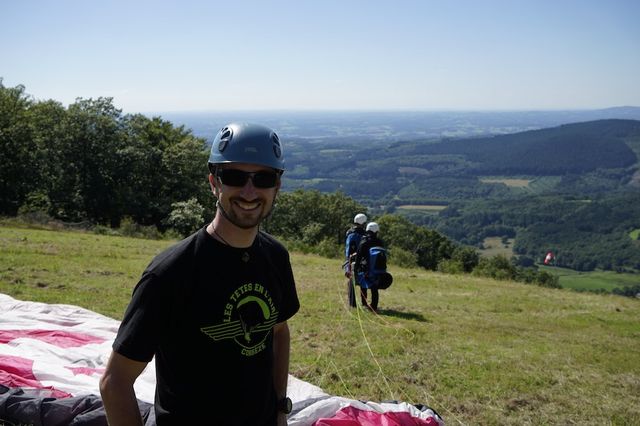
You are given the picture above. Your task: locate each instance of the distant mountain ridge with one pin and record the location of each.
(570, 148)
(390, 126)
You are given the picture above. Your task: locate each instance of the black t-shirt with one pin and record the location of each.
(206, 311)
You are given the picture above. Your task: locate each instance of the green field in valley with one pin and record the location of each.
(594, 280)
(514, 183)
(476, 350)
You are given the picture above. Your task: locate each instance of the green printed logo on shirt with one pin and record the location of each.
(249, 316)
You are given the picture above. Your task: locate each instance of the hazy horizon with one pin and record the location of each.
(287, 55)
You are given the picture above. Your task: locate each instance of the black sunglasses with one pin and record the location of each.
(238, 178)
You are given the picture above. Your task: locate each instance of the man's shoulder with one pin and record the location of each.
(355, 230)
(269, 242)
(176, 255)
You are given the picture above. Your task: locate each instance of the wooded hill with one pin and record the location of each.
(578, 188)
(571, 148)
(440, 171)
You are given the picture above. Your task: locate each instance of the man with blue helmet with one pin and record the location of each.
(213, 309)
(353, 237)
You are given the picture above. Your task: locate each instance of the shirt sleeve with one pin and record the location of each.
(144, 319)
(290, 302)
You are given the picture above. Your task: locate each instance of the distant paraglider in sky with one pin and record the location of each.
(549, 258)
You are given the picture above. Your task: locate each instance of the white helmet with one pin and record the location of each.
(373, 227)
(360, 219)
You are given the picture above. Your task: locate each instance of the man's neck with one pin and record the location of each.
(228, 233)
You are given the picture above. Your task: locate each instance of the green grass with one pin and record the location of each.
(635, 234)
(476, 350)
(594, 280)
(94, 271)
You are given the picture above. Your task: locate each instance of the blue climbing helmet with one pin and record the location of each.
(247, 143)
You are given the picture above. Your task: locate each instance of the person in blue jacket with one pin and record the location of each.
(352, 242)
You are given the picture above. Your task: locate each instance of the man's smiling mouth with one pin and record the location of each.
(247, 206)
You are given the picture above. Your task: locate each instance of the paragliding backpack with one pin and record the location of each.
(377, 268)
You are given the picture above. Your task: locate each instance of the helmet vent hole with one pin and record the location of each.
(277, 150)
(275, 139)
(225, 137)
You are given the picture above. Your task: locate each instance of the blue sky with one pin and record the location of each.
(156, 56)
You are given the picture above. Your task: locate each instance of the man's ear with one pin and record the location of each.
(278, 185)
(213, 183)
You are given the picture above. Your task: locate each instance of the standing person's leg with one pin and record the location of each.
(363, 296)
(352, 283)
(374, 299)
(351, 291)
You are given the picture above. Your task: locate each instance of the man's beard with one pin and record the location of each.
(249, 222)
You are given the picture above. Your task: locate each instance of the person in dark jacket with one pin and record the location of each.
(369, 240)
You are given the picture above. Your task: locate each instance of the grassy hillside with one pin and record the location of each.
(478, 351)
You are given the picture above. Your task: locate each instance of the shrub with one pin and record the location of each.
(327, 248)
(312, 233)
(35, 208)
(545, 279)
(186, 216)
(403, 258)
(35, 202)
(467, 257)
(450, 266)
(498, 267)
(129, 228)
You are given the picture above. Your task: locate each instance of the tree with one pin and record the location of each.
(91, 178)
(164, 164)
(312, 216)
(47, 120)
(429, 246)
(17, 149)
(184, 163)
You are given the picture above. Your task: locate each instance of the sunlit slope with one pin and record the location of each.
(476, 350)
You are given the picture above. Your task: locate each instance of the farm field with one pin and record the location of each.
(514, 183)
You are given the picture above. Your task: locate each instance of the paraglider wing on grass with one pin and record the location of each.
(52, 357)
